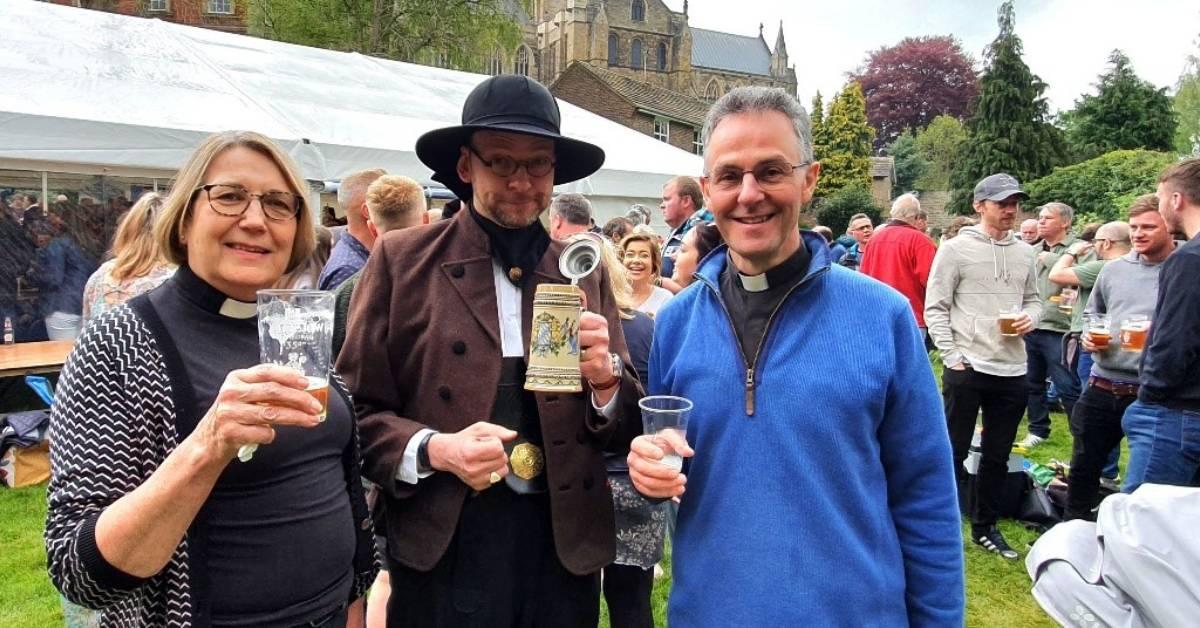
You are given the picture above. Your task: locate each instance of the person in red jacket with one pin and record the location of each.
(901, 254)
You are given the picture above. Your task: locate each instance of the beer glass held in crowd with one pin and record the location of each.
(1098, 327)
(665, 418)
(1066, 300)
(295, 329)
(1008, 321)
(1133, 333)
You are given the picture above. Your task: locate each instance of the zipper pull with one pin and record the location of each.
(750, 392)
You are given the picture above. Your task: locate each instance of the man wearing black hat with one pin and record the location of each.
(497, 509)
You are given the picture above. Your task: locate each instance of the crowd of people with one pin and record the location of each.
(812, 486)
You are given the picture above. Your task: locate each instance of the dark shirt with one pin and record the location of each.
(1171, 359)
(750, 311)
(61, 271)
(639, 335)
(278, 530)
(348, 257)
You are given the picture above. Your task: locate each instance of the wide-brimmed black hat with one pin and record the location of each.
(512, 103)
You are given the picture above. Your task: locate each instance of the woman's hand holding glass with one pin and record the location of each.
(251, 404)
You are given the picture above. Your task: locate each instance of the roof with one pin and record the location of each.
(883, 168)
(649, 98)
(130, 94)
(734, 53)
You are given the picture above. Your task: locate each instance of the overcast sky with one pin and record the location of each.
(1066, 42)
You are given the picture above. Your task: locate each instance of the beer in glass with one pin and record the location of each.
(1008, 321)
(1133, 333)
(1066, 300)
(1099, 330)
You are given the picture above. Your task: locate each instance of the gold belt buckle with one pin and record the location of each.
(527, 461)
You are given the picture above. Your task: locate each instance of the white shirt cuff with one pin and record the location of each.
(408, 466)
(609, 408)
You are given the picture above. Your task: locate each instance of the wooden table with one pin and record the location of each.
(28, 358)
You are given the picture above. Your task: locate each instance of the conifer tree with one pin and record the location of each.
(846, 156)
(1008, 130)
(816, 116)
(1127, 112)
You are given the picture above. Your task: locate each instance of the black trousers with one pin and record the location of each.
(501, 570)
(1096, 426)
(627, 590)
(1002, 400)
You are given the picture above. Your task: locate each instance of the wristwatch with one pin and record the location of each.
(618, 370)
(423, 465)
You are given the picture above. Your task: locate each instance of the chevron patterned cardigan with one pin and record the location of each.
(113, 423)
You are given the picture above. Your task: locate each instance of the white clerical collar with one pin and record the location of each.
(233, 308)
(754, 283)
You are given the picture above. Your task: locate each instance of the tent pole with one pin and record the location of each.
(45, 191)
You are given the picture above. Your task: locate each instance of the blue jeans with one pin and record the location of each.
(1164, 446)
(1044, 358)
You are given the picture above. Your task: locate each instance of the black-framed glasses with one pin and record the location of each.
(233, 200)
(507, 166)
(768, 174)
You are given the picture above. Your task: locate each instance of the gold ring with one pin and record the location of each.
(494, 477)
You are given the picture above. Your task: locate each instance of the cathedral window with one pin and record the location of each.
(495, 65)
(638, 11)
(713, 91)
(635, 54)
(662, 57)
(522, 65)
(614, 58)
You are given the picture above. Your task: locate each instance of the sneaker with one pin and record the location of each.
(992, 541)
(658, 572)
(1111, 484)
(1031, 441)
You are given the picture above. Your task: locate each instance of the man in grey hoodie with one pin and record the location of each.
(976, 276)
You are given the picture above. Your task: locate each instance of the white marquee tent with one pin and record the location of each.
(92, 92)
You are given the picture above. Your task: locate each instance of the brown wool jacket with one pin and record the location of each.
(422, 350)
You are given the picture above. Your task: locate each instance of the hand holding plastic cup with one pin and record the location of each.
(295, 329)
(1098, 328)
(1008, 318)
(665, 418)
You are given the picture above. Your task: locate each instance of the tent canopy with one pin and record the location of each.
(92, 88)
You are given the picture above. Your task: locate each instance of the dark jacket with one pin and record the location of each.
(422, 350)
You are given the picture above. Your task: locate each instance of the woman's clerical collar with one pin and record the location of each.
(786, 273)
(209, 298)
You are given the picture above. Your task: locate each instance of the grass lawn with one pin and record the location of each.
(997, 590)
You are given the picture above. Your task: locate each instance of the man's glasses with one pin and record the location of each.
(769, 175)
(234, 200)
(507, 166)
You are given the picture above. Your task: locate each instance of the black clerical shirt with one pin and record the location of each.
(752, 300)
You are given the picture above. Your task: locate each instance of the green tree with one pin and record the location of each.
(817, 117)
(910, 165)
(1126, 112)
(939, 146)
(846, 157)
(1101, 189)
(835, 210)
(462, 34)
(1187, 108)
(1009, 129)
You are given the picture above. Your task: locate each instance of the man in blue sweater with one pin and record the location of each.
(817, 489)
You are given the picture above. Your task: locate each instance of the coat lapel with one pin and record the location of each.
(468, 268)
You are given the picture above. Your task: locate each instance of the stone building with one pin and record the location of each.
(222, 15)
(646, 41)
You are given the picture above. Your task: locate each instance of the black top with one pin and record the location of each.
(278, 530)
(750, 310)
(639, 334)
(1172, 355)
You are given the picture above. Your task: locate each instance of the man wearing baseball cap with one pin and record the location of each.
(498, 513)
(976, 277)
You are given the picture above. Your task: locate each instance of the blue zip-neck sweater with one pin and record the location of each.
(834, 504)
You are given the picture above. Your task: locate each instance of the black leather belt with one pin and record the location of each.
(516, 409)
(1120, 389)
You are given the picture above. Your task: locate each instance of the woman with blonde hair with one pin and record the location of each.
(643, 263)
(152, 520)
(640, 524)
(137, 264)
